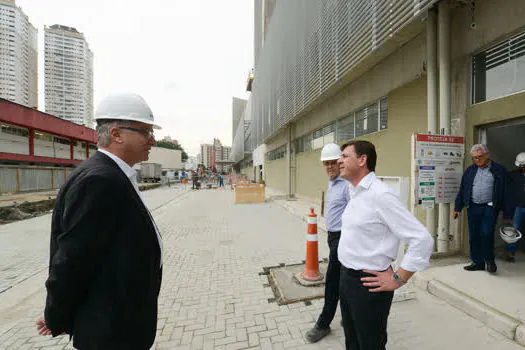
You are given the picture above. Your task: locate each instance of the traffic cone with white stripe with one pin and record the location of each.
(311, 271)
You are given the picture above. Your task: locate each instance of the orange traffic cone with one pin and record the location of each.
(311, 271)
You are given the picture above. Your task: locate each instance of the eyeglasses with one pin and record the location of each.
(330, 162)
(481, 156)
(146, 132)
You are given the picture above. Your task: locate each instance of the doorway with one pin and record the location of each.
(504, 140)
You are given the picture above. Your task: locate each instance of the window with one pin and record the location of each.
(367, 120)
(345, 128)
(14, 130)
(277, 153)
(499, 70)
(383, 114)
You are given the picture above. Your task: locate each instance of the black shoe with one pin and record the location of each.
(474, 267)
(491, 267)
(315, 334)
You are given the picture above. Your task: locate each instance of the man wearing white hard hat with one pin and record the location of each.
(105, 265)
(516, 194)
(336, 201)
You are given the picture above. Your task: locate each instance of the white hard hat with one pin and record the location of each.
(330, 151)
(509, 234)
(130, 107)
(520, 160)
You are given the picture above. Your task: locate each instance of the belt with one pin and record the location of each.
(334, 232)
(489, 204)
(356, 273)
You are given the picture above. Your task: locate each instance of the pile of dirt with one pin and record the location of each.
(25, 210)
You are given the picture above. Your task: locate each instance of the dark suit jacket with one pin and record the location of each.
(104, 269)
(464, 196)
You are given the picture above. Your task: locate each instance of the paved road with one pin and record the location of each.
(214, 298)
(24, 245)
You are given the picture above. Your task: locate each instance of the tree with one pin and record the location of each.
(170, 145)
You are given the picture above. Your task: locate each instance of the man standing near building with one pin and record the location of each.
(374, 223)
(336, 201)
(482, 191)
(105, 264)
(516, 193)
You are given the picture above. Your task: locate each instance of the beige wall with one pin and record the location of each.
(311, 179)
(275, 172)
(248, 171)
(407, 108)
(407, 114)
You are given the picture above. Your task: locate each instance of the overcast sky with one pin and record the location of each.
(186, 58)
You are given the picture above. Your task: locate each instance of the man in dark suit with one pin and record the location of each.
(105, 265)
(482, 191)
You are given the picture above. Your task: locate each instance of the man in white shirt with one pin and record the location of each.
(374, 223)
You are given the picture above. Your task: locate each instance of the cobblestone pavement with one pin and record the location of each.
(214, 298)
(24, 245)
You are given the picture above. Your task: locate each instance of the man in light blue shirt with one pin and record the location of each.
(336, 200)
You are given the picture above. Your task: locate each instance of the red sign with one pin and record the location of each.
(440, 138)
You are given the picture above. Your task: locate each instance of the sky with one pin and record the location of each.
(187, 58)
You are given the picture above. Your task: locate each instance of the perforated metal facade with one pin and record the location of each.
(311, 45)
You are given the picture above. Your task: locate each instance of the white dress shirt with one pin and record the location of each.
(374, 223)
(132, 176)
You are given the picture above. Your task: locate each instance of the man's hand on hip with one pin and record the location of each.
(383, 281)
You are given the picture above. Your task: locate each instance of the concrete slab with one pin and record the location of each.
(290, 290)
(502, 291)
(494, 299)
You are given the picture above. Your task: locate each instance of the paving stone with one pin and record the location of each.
(212, 295)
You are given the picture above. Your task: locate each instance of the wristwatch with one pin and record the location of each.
(398, 279)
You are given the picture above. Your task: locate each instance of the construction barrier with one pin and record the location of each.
(249, 193)
(311, 270)
(16, 179)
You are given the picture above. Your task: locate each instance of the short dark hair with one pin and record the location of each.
(364, 148)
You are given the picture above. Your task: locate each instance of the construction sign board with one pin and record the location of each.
(439, 161)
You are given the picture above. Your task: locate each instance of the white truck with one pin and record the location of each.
(150, 172)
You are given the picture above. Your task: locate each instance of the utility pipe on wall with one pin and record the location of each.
(444, 109)
(289, 162)
(432, 97)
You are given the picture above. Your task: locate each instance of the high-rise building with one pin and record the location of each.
(18, 56)
(68, 75)
(214, 155)
(206, 155)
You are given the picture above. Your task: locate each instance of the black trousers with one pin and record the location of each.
(364, 313)
(331, 289)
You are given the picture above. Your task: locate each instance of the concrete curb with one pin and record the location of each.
(282, 202)
(502, 323)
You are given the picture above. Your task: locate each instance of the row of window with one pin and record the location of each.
(367, 120)
(277, 153)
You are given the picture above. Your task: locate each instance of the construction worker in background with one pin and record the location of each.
(516, 194)
(194, 179)
(105, 265)
(336, 200)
